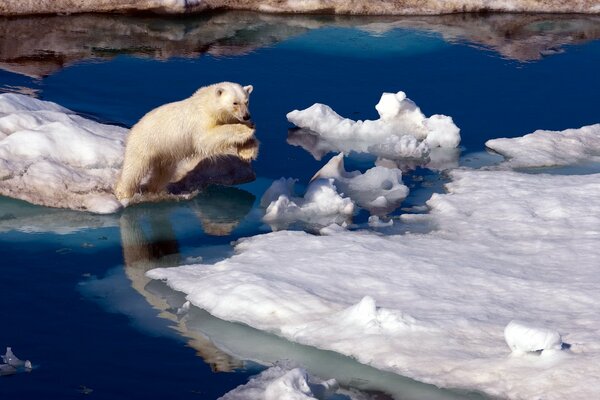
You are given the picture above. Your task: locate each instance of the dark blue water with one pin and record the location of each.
(73, 299)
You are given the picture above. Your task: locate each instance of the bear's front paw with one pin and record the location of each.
(248, 151)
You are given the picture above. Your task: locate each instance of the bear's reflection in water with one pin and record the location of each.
(149, 241)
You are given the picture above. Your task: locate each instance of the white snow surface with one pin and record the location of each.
(51, 156)
(544, 148)
(433, 306)
(379, 190)
(321, 204)
(281, 382)
(402, 130)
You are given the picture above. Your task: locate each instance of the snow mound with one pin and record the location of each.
(501, 239)
(321, 204)
(379, 190)
(402, 130)
(522, 338)
(550, 148)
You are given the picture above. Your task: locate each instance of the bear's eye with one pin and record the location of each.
(235, 103)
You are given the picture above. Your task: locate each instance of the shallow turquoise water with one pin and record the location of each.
(74, 299)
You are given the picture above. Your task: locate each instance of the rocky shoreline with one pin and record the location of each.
(346, 7)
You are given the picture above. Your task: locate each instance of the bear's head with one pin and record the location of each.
(232, 100)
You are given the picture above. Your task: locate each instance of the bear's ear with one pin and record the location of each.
(219, 91)
(248, 89)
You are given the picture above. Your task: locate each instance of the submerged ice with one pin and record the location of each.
(12, 364)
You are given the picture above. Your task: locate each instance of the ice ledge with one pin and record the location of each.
(364, 7)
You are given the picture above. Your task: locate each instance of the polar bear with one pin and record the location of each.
(170, 140)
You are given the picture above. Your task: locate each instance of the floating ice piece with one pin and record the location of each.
(402, 131)
(379, 190)
(550, 148)
(321, 205)
(280, 382)
(12, 364)
(524, 337)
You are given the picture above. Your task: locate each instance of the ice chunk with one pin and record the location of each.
(524, 337)
(550, 148)
(379, 190)
(402, 131)
(321, 205)
(12, 364)
(281, 382)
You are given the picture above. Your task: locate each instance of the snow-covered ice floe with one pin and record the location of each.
(434, 307)
(52, 157)
(357, 7)
(401, 132)
(544, 148)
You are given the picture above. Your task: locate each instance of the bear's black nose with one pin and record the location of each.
(246, 117)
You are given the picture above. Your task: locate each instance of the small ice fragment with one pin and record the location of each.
(376, 222)
(523, 337)
(184, 308)
(13, 364)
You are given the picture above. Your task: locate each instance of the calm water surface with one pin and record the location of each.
(74, 298)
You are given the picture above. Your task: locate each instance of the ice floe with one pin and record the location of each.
(321, 204)
(401, 132)
(359, 7)
(434, 306)
(53, 157)
(50, 156)
(544, 148)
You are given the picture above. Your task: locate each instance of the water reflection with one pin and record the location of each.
(149, 241)
(41, 45)
(438, 159)
(148, 238)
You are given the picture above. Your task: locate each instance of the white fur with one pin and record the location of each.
(170, 140)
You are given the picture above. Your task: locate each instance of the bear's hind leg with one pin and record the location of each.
(160, 177)
(130, 180)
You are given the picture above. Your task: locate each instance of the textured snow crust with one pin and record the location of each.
(505, 246)
(51, 156)
(544, 148)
